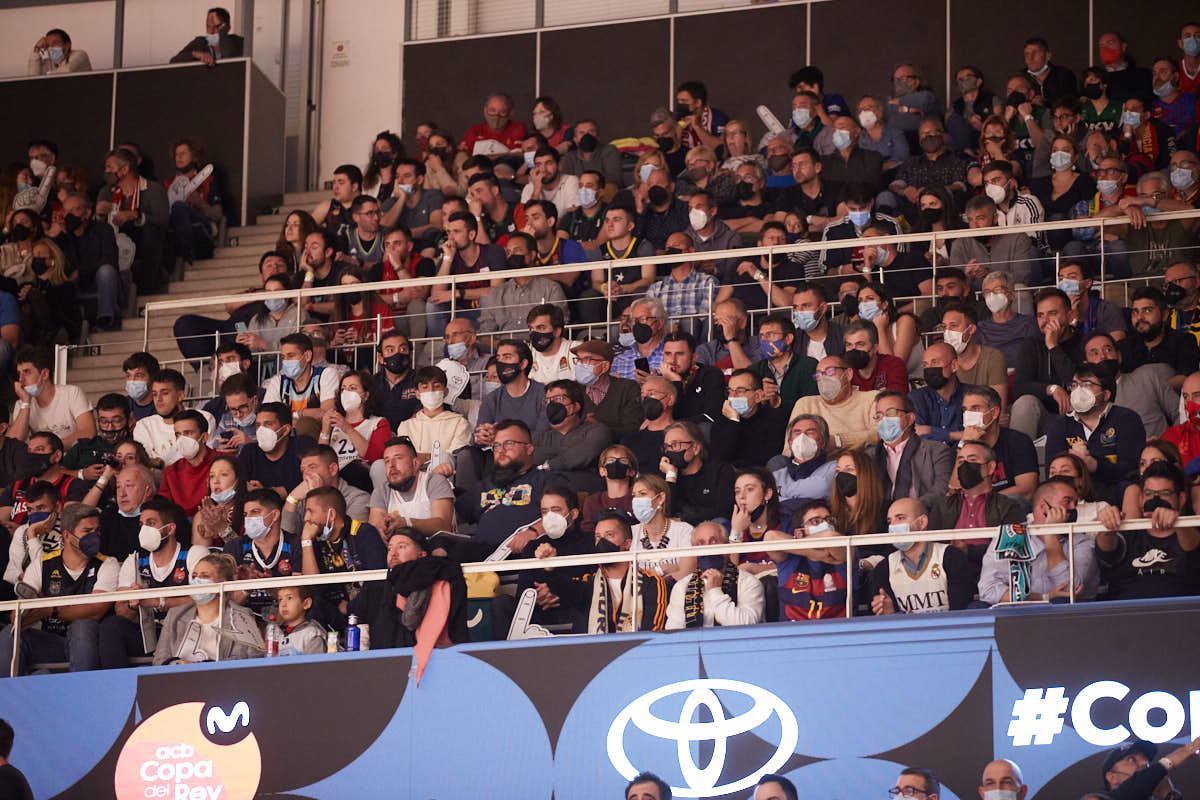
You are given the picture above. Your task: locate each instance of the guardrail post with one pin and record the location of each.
(16, 654)
(636, 577)
(851, 570)
(220, 614)
(60, 364)
(1071, 561)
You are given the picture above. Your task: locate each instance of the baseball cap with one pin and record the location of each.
(1148, 749)
(596, 347)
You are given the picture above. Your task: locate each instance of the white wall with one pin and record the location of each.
(155, 30)
(90, 26)
(362, 96)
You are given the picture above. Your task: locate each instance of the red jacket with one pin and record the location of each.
(890, 373)
(187, 485)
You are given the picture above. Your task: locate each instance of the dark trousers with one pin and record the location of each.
(120, 638)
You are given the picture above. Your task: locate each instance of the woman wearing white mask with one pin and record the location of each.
(656, 530)
(354, 433)
(219, 517)
(279, 317)
(198, 632)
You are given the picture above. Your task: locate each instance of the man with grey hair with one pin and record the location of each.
(649, 327)
(499, 133)
(1006, 329)
(68, 633)
(120, 513)
(1152, 244)
(717, 592)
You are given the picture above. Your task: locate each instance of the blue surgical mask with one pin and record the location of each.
(408, 188)
(256, 528)
(1164, 89)
(23, 186)
(490, 386)
(772, 349)
(275, 304)
(1191, 46)
(55, 54)
(860, 218)
(841, 139)
(741, 405)
(801, 116)
(900, 527)
(136, 389)
(529, 154)
(225, 496)
(890, 429)
(585, 374)
(1131, 118)
(804, 320)
(626, 339)
(868, 310)
(587, 196)
(1182, 178)
(137, 512)
(643, 509)
(204, 597)
(1069, 286)
(1060, 160)
(1106, 186)
(292, 368)
(456, 350)
(644, 172)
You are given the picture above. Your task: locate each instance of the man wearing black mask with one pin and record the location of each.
(668, 134)
(505, 307)
(1154, 342)
(658, 406)
(43, 462)
(702, 487)
(972, 502)
(572, 445)
(660, 212)
(87, 457)
(395, 391)
(590, 154)
(12, 451)
(91, 247)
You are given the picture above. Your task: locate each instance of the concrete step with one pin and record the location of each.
(308, 199)
(270, 227)
(261, 240)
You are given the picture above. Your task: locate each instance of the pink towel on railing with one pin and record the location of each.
(432, 630)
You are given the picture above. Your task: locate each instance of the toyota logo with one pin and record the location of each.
(701, 781)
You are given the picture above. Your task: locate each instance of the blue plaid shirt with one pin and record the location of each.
(623, 366)
(692, 295)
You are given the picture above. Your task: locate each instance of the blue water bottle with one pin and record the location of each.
(352, 633)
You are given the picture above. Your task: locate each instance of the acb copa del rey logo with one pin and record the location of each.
(646, 731)
(191, 751)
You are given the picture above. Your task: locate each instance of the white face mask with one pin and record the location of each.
(804, 448)
(999, 794)
(828, 387)
(432, 400)
(186, 446)
(867, 119)
(150, 538)
(997, 193)
(956, 339)
(266, 438)
(554, 524)
(698, 218)
(1082, 400)
(227, 370)
(974, 419)
(351, 401)
(996, 302)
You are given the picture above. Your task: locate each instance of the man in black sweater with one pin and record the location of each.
(701, 487)
(748, 432)
(91, 249)
(1046, 365)
(701, 387)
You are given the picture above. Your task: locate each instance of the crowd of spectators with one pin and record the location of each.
(729, 399)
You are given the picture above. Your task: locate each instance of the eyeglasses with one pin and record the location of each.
(510, 445)
(372, 213)
(741, 392)
(887, 412)
(828, 371)
(808, 523)
(677, 447)
(907, 791)
(558, 398)
(1165, 494)
(1089, 384)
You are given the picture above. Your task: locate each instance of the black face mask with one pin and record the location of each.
(1015, 99)
(970, 474)
(665, 143)
(1153, 503)
(850, 305)
(36, 464)
(779, 163)
(617, 470)
(515, 261)
(678, 458)
(658, 195)
(931, 215)
(397, 363)
(540, 340)
(404, 485)
(934, 378)
(1112, 365)
(588, 143)
(19, 233)
(682, 111)
(743, 190)
(353, 298)
(672, 251)
(1072, 515)
(858, 359)
(1174, 293)
(440, 152)
(507, 373)
(556, 412)
(606, 546)
(642, 332)
(756, 513)
(846, 484)
(72, 222)
(652, 408)
(39, 265)
(1091, 91)
(382, 160)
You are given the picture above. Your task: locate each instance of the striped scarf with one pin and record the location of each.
(693, 599)
(626, 615)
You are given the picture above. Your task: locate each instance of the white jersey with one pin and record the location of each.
(419, 507)
(927, 590)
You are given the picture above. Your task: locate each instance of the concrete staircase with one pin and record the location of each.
(96, 367)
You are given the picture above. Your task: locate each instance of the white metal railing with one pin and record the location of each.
(636, 559)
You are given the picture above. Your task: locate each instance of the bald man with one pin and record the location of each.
(939, 402)
(659, 396)
(849, 413)
(919, 577)
(1186, 435)
(1002, 781)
